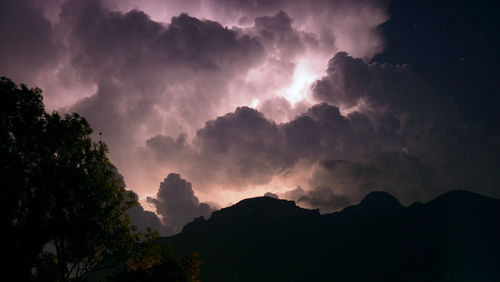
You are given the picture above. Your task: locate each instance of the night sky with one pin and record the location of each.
(207, 102)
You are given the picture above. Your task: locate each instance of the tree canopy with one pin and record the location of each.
(66, 203)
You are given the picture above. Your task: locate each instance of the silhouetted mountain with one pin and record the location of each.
(376, 203)
(454, 237)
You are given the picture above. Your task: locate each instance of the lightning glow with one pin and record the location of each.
(304, 75)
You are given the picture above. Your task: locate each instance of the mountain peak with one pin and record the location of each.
(255, 239)
(460, 195)
(265, 206)
(462, 200)
(379, 201)
(252, 212)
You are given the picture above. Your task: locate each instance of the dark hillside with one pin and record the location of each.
(451, 238)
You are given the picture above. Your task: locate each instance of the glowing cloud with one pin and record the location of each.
(303, 77)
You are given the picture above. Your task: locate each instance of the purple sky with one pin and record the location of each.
(233, 98)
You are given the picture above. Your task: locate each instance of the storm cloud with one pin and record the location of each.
(382, 89)
(339, 24)
(246, 97)
(176, 203)
(140, 66)
(143, 220)
(29, 43)
(136, 69)
(383, 142)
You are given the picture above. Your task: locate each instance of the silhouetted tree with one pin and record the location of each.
(191, 266)
(159, 264)
(65, 211)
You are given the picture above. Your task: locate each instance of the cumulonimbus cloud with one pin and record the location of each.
(135, 75)
(384, 142)
(221, 95)
(176, 203)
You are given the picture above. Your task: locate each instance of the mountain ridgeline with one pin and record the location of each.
(455, 237)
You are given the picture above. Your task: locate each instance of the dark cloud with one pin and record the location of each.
(140, 66)
(242, 148)
(346, 81)
(390, 141)
(161, 10)
(176, 203)
(135, 77)
(142, 56)
(352, 25)
(140, 218)
(151, 77)
(322, 197)
(280, 38)
(433, 162)
(28, 45)
(322, 130)
(166, 147)
(383, 91)
(390, 171)
(412, 141)
(146, 219)
(167, 87)
(245, 148)
(259, 7)
(271, 195)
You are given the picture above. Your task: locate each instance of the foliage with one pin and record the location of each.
(191, 266)
(65, 211)
(161, 266)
